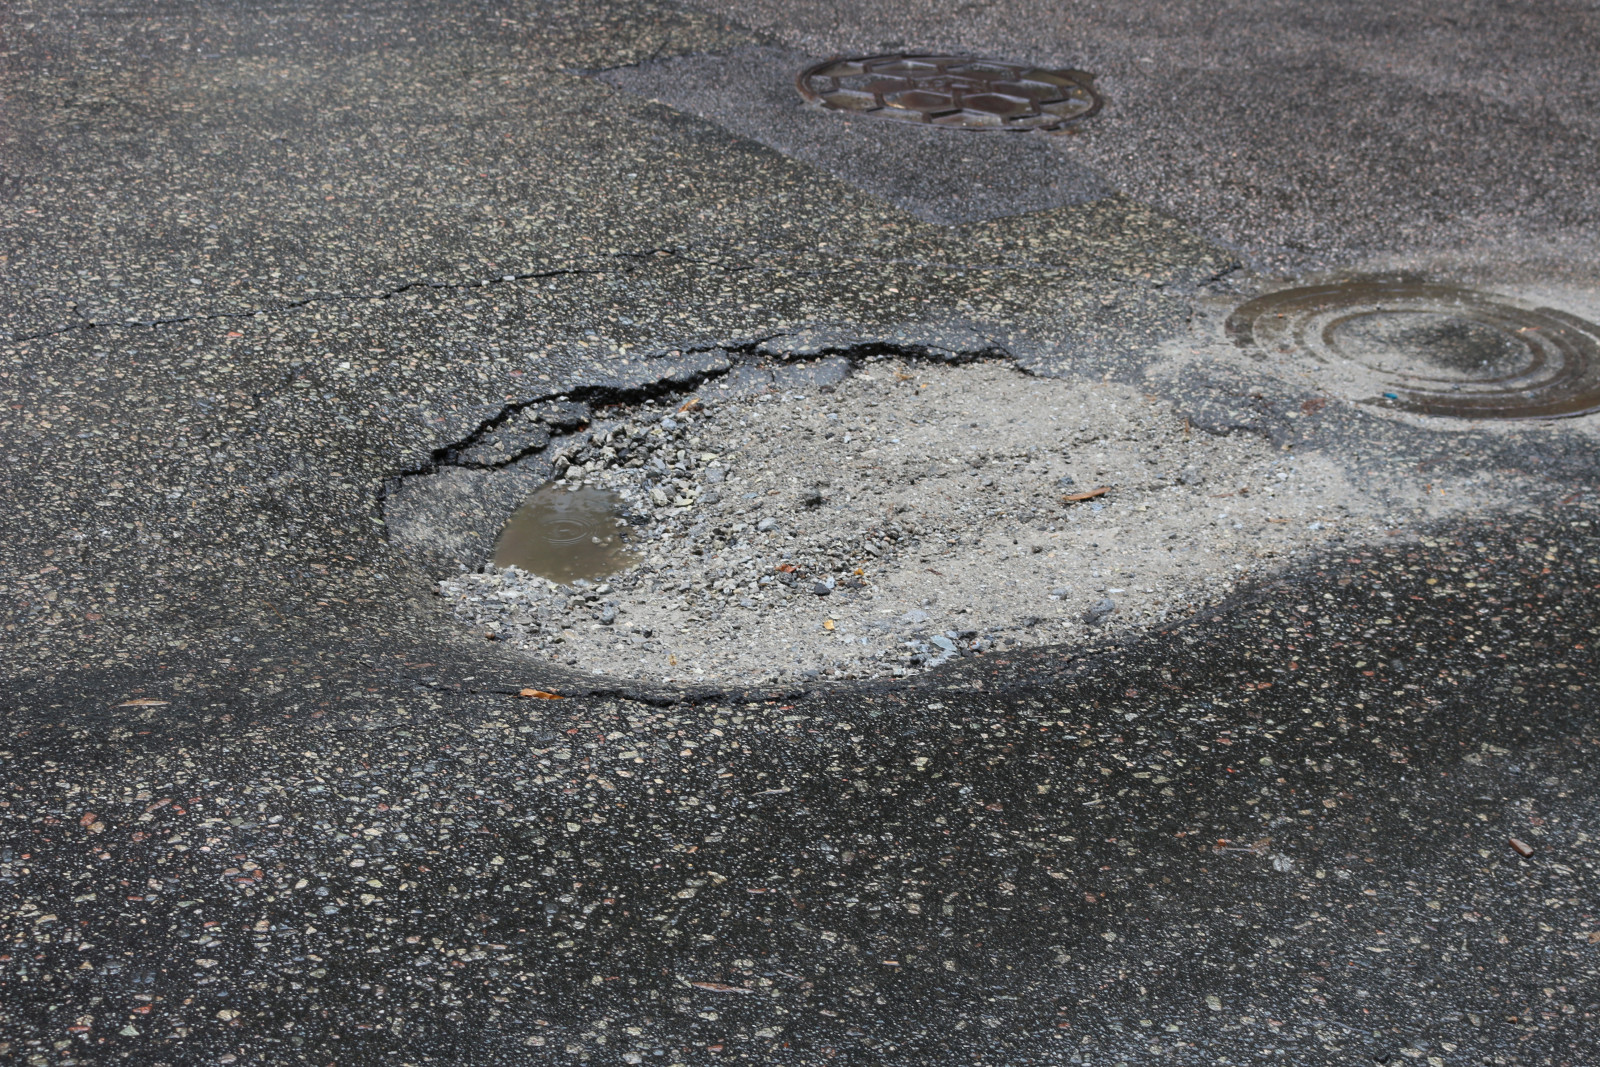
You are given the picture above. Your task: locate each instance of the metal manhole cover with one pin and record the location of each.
(958, 92)
(1434, 349)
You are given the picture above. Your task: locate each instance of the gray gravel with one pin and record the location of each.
(918, 512)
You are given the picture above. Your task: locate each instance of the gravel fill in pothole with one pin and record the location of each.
(906, 516)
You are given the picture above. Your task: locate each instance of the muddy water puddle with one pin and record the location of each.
(566, 534)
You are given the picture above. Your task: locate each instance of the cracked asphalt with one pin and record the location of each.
(262, 268)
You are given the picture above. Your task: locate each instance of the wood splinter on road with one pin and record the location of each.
(1520, 847)
(1073, 498)
(540, 694)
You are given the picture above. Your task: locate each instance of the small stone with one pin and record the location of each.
(710, 496)
(608, 615)
(1099, 610)
(914, 616)
(715, 475)
(1065, 480)
(1190, 476)
(821, 589)
(766, 524)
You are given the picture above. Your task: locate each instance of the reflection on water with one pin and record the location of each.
(565, 535)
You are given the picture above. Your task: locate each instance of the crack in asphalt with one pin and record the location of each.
(680, 254)
(329, 298)
(678, 384)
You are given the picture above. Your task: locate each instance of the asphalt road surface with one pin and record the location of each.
(265, 269)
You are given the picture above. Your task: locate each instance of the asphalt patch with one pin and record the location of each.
(934, 174)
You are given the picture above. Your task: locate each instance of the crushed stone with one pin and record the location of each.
(911, 513)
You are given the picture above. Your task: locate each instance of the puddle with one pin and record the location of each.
(565, 534)
(1434, 349)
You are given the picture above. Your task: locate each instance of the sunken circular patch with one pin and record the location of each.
(956, 92)
(882, 517)
(1434, 349)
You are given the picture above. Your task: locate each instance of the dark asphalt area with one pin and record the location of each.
(264, 267)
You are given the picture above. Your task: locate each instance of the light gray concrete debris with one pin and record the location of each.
(1099, 610)
(929, 512)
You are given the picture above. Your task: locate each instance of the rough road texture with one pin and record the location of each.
(1296, 133)
(1264, 829)
(913, 513)
(267, 271)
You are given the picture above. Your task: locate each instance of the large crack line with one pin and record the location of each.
(677, 254)
(330, 298)
(745, 352)
(680, 384)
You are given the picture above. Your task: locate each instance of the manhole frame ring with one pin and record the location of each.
(1241, 328)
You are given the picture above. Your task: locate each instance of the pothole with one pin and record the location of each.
(958, 92)
(1433, 349)
(885, 517)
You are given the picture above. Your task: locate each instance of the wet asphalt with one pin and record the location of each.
(263, 803)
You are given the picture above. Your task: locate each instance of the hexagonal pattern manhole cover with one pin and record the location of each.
(956, 92)
(1434, 349)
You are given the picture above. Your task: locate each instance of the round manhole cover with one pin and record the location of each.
(1434, 349)
(959, 92)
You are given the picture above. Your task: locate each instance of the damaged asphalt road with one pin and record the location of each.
(264, 801)
(1279, 828)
